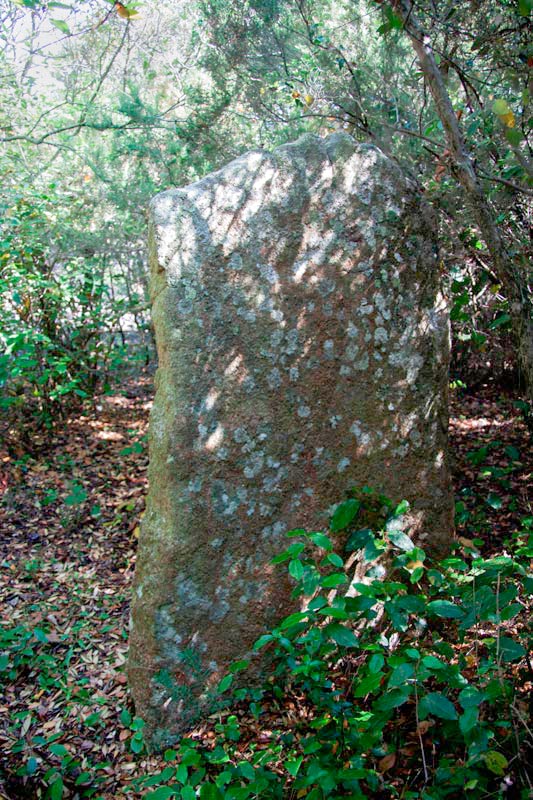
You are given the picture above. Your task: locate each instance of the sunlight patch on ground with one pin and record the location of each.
(480, 423)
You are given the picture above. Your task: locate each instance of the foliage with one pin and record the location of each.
(159, 97)
(59, 324)
(321, 66)
(408, 681)
(98, 113)
(36, 653)
(416, 668)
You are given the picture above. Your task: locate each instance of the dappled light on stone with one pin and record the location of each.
(303, 350)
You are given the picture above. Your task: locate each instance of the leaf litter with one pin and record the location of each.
(70, 519)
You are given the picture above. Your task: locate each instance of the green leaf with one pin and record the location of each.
(511, 611)
(263, 640)
(499, 563)
(510, 650)
(188, 793)
(494, 501)
(401, 674)
(317, 602)
(296, 532)
(225, 683)
(401, 509)
(445, 608)
(376, 663)
(512, 453)
(333, 611)
(469, 720)
(500, 107)
(247, 770)
(437, 705)
(296, 569)
(336, 579)
(61, 25)
(396, 22)
(344, 514)
(58, 750)
(159, 778)
(374, 549)
(218, 756)
(335, 559)
(238, 666)
(77, 495)
(84, 777)
(416, 574)
(341, 635)
(513, 136)
(502, 319)
(40, 635)
(162, 793)
(400, 540)
(360, 603)
(209, 792)
(525, 7)
(435, 577)
(291, 552)
(321, 540)
(293, 766)
(293, 619)
(393, 22)
(31, 765)
(496, 762)
(470, 697)
(56, 789)
(359, 539)
(368, 685)
(394, 698)
(125, 717)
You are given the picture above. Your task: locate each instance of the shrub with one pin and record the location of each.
(398, 677)
(410, 677)
(58, 320)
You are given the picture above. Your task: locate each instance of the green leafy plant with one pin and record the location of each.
(47, 765)
(392, 658)
(58, 326)
(407, 676)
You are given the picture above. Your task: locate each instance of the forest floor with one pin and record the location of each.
(69, 523)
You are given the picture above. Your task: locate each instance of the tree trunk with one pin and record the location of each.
(512, 278)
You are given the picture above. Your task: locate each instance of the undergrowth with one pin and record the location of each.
(411, 676)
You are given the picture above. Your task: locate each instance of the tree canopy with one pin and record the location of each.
(105, 104)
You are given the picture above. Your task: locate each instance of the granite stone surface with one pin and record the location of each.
(303, 349)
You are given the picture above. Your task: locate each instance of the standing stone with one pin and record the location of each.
(303, 350)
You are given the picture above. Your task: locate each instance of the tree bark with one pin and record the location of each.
(513, 279)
